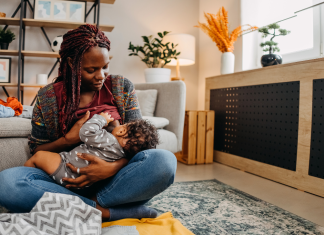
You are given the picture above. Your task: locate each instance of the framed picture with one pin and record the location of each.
(5, 69)
(69, 11)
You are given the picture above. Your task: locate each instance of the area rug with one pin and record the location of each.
(212, 207)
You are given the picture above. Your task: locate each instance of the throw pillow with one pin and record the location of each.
(147, 101)
(158, 122)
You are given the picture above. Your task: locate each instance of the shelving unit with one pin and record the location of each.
(22, 22)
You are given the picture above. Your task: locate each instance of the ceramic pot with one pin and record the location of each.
(271, 59)
(4, 45)
(154, 75)
(227, 65)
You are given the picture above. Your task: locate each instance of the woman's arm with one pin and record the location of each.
(132, 109)
(70, 140)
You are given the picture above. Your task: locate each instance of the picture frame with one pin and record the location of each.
(5, 70)
(57, 10)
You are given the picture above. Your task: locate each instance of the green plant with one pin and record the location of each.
(155, 53)
(6, 36)
(271, 46)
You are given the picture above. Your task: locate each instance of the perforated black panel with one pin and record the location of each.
(258, 122)
(316, 162)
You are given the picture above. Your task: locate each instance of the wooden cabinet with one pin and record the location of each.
(198, 138)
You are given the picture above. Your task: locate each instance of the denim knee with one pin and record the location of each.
(165, 165)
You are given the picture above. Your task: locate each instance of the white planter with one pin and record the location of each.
(228, 60)
(154, 75)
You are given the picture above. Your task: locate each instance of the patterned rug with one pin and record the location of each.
(212, 207)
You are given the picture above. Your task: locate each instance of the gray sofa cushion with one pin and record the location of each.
(147, 101)
(15, 127)
(168, 141)
(13, 152)
(158, 122)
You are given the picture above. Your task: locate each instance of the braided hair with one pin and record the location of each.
(75, 43)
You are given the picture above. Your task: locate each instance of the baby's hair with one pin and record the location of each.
(142, 135)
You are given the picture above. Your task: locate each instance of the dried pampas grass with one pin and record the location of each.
(217, 29)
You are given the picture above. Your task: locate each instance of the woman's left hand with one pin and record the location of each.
(97, 170)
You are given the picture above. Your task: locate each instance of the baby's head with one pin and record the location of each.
(136, 136)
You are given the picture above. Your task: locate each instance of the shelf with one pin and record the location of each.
(49, 23)
(8, 84)
(101, 1)
(23, 85)
(48, 54)
(8, 52)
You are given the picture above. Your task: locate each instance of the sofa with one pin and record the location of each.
(170, 104)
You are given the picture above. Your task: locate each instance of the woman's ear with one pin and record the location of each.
(69, 60)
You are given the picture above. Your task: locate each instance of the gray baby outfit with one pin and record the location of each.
(97, 142)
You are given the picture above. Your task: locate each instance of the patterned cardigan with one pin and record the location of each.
(45, 124)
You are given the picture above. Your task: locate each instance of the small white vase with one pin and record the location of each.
(227, 65)
(154, 75)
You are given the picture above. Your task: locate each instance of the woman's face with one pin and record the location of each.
(94, 69)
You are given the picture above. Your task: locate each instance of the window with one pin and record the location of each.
(302, 43)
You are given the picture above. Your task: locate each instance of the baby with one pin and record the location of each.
(124, 141)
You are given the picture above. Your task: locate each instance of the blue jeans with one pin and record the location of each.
(147, 174)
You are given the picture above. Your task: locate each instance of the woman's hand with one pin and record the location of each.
(72, 137)
(97, 170)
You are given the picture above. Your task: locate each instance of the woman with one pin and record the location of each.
(119, 189)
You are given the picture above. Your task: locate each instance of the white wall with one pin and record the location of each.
(132, 19)
(209, 55)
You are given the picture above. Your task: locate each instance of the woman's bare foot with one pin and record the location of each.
(105, 214)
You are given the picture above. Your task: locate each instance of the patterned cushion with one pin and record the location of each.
(15, 127)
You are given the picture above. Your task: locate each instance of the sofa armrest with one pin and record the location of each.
(170, 104)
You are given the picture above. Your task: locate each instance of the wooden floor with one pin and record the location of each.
(305, 205)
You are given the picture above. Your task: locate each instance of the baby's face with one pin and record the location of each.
(120, 132)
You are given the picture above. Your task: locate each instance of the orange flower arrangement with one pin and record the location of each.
(217, 29)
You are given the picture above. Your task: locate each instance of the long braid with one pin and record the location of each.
(75, 43)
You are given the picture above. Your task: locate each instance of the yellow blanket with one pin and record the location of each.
(165, 224)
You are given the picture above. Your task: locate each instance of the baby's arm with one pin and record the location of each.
(92, 134)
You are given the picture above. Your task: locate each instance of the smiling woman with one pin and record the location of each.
(60, 111)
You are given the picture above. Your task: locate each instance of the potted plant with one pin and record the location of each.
(6, 37)
(271, 46)
(217, 29)
(155, 54)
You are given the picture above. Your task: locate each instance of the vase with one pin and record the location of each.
(154, 75)
(271, 59)
(227, 65)
(4, 45)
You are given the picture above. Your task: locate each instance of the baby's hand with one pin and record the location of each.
(107, 117)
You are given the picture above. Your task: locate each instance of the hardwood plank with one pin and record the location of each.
(210, 136)
(304, 182)
(8, 84)
(48, 54)
(9, 52)
(49, 23)
(185, 136)
(192, 137)
(61, 24)
(201, 137)
(9, 21)
(101, 1)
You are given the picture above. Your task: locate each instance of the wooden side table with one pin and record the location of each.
(198, 138)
